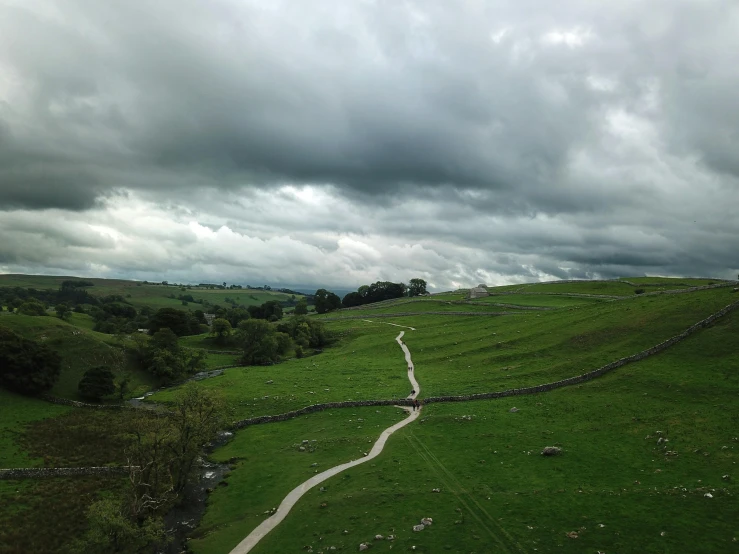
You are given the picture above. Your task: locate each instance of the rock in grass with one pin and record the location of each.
(513, 410)
(363, 547)
(420, 527)
(427, 521)
(551, 451)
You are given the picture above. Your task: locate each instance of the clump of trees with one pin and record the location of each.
(383, 290)
(26, 366)
(163, 357)
(97, 382)
(162, 456)
(180, 322)
(326, 301)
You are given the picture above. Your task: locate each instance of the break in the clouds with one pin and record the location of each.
(338, 143)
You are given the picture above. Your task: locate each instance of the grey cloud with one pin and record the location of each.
(501, 149)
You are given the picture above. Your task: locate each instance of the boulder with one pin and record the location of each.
(420, 527)
(363, 547)
(551, 451)
(513, 410)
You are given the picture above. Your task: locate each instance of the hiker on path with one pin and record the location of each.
(413, 391)
(416, 405)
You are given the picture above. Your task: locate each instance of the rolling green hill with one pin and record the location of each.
(79, 348)
(650, 450)
(156, 296)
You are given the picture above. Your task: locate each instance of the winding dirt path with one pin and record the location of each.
(290, 500)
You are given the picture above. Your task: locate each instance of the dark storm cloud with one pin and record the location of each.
(363, 96)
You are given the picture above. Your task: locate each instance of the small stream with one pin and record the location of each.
(181, 520)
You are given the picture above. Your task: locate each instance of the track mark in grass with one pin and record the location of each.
(465, 498)
(393, 324)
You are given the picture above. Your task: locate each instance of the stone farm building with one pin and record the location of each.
(478, 292)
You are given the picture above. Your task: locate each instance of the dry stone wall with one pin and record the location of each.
(40, 472)
(500, 394)
(592, 374)
(318, 408)
(76, 404)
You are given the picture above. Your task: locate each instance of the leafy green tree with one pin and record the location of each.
(197, 417)
(259, 342)
(111, 529)
(221, 330)
(352, 299)
(165, 339)
(326, 301)
(301, 308)
(32, 307)
(62, 311)
(97, 382)
(26, 366)
(306, 332)
(417, 287)
(181, 323)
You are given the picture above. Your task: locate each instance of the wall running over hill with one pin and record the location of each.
(501, 394)
(592, 374)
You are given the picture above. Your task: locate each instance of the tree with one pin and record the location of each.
(97, 382)
(180, 322)
(197, 417)
(306, 332)
(301, 308)
(32, 307)
(258, 340)
(417, 287)
(221, 330)
(326, 301)
(62, 311)
(27, 366)
(110, 529)
(166, 447)
(352, 299)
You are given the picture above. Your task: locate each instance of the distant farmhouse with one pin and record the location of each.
(479, 292)
(209, 318)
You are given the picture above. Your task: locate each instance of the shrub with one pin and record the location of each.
(97, 382)
(25, 365)
(639, 291)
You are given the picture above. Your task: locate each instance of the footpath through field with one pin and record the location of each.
(291, 499)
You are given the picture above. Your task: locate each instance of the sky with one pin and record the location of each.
(337, 143)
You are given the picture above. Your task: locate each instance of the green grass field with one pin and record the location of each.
(80, 350)
(16, 412)
(155, 296)
(615, 486)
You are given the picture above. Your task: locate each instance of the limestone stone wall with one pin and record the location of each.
(595, 373)
(40, 472)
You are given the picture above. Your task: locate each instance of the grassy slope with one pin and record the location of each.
(499, 494)
(463, 355)
(460, 355)
(339, 436)
(79, 348)
(17, 411)
(141, 295)
(366, 364)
